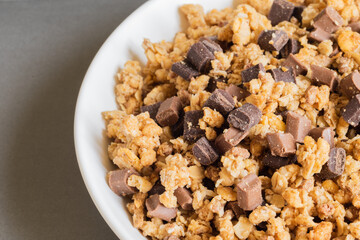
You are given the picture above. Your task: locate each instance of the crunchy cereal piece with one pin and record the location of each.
(175, 174)
(326, 47)
(356, 201)
(195, 15)
(260, 6)
(226, 193)
(241, 30)
(141, 183)
(243, 228)
(312, 156)
(199, 227)
(325, 210)
(168, 199)
(330, 186)
(355, 229)
(261, 214)
(225, 227)
(233, 163)
(349, 43)
(159, 93)
(321, 232)
(212, 117)
(217, 205)
(279, 183)
(198, 84)
(297, 198)
(276, 227)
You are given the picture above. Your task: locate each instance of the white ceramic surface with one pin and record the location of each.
(155, 20)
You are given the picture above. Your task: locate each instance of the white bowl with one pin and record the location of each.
(157, 20)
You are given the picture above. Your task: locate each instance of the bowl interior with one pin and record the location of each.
(156, 20)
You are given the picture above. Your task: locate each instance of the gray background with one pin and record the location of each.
(45, 49)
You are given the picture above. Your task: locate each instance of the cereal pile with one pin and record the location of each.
(245, 126)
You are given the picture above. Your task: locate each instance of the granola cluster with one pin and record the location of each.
(255, 138)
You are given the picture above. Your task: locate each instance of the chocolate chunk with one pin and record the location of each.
(355, 26)
(200, 57)
(184, 70)
(322, 75)
(281, 144)
(213, 83)
(324, 132)
(192, 131)
(234, 207)
(208, 183)
(298, 125)
(336, 49)
(156, 209)
(245, 117)
(335, 165)
(211, 45)
(229, 139)
(204, 152)
(152, 109)
(328, 20)
(221, 101)
(351, 113)
(292, 46)
(249, 192)
(252, 73)
(282, 76)
(298, 67)
(178, 128)
(272, 40)
(158, 188)
(298, 10)
(350, 85)
(169, 110)
(184, 198)
(281, 10)
(276, 162)
(118, 181)
(237, 92)
(319, 35)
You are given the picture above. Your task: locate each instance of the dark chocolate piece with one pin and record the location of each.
(298, 10)
(211, 45)
(276, 162)
(335, 166)
(351, 113)
(152, 109)
(272, 40)
(221, 101)
(328, 20)
(237, 92)
(156, 209)
(118, 181)
(184, 198)
(281, 10)
(229, 139)
(169, 111)
(298, 125)
(282, 76)
(322, 75)
(324, 132)
(192, 131)
(178, 128)
(213, 83)
(249, 192)
(292, 46)
(350, 85)
(200, 57)
(252, 73)
(234, 207)
(184, 70)
(298, 67)
(355, 26)
(158, 188)
(281, 144)
(319, 35)
(204, 152)
(245, 117)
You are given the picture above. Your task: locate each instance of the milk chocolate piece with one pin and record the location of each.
(152, 109)
(220, 101)
(336, 49)
(272, 40)
(184, 70)
(281, 144)
(245, 117)
(276, 162)
(158, 188)
(169, 111)
(355, 26)
(292, 46)
(298, 10)
(324, 132)
(156, 209)
(211, 45)
(252, 72)
(213, 83)
(234, 207)
(335, 165)
(298, 67)
(249, 192)
(351, 113)
(237, 92)
(280, 75)
(118, 181)
(328, 20)
(184, 198)
(319, 35)
(200, 57)
(322, 75)
(192, 131)
(204, 152)
(229, 139)
(350, 85)
(281, 10)
(298, 125)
